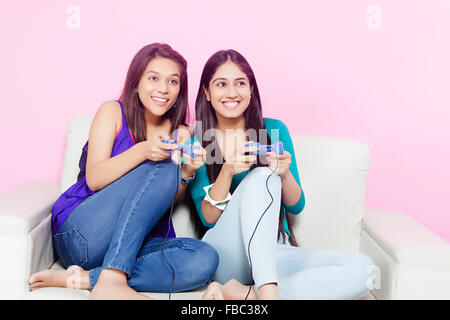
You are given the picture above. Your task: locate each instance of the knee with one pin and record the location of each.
(204, 260)
(209, 260)
(262, 171)
(365, 264)
(168, 172)
(364, 274)
(144, 168)
(259, 176)
(165, 173)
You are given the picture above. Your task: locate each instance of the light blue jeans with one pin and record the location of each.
(300, 273)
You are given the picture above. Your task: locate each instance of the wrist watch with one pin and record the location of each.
(187, 180)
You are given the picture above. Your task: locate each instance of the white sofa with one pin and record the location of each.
(411, 262)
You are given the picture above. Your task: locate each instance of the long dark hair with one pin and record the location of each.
(206, 117)
(132, 105)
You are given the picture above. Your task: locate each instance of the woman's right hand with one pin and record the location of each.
(239, 162)
(154, 149)
(192, 164)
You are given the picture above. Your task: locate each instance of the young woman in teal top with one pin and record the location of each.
(244, 199)
(279, 128)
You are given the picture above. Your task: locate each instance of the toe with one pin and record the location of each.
(213, 292)
(36, 285)
(38, 276)
(32, 280)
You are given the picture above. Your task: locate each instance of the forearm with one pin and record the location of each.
(219, 191)
(181, 189)
(291, 191)
(185, 173)
(103, 173)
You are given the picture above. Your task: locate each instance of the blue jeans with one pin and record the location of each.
(110, 229)
(301, 273)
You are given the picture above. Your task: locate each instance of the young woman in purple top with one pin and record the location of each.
(110, 226)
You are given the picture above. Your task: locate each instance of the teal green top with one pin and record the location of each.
(201, 176)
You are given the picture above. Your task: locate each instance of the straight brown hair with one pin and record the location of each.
(132, 105)
(205, 115)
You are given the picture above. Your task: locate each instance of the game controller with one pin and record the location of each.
(186, 148)
(263, 149)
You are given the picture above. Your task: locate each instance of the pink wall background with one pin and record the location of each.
(317, 60)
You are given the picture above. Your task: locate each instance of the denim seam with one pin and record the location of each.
(63, 236)
(91, 279)
(58, 249)
(117, 267)
(169, 240)
(84, 250)
(157, 252)
(75, 231)
(130, 213)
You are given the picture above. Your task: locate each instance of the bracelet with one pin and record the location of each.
(187, 180)
(218, 204)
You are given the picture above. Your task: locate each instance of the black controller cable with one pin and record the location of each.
(248, 247)
(168, 230)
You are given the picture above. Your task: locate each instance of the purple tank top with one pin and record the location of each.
(78, 192)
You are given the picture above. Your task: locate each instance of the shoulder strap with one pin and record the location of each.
(124, 120)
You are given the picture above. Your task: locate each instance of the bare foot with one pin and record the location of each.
(112, 285)
(74, 277)
(231, 290)
(268, 291)
(214, 292)
(234, 290)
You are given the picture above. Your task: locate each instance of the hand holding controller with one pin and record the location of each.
(263, 149)
(189, 148)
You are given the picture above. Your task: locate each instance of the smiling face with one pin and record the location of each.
(159, 86)
(229, 91)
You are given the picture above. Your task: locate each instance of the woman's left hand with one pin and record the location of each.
(284, 161)
(191, 164)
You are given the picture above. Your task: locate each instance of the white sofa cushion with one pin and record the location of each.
(77, 135)
(333, 173)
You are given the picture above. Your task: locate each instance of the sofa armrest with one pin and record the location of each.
(414, 263)
(405, 239)
(23, 207)
(25, 234)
